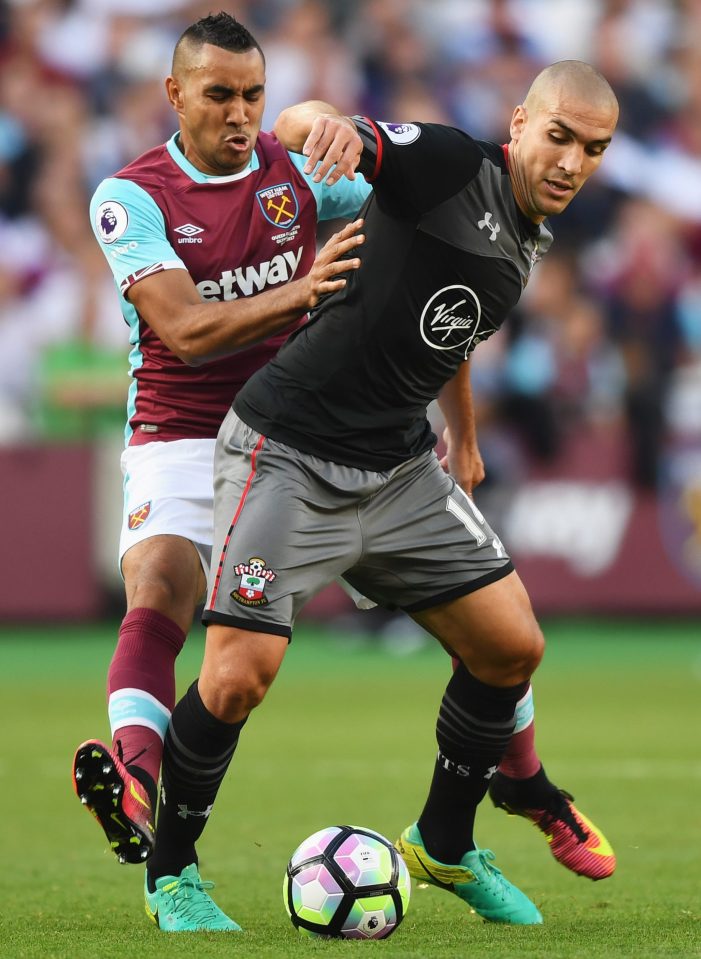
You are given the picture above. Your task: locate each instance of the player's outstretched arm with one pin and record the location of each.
(196, 332)
(318, 131)
(462, 459)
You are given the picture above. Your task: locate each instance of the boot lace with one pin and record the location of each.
(191, 901)
(561, 811)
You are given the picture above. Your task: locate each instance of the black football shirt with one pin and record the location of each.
(446, 257)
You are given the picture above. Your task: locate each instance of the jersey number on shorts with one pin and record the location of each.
(471, 518)
(469, 521)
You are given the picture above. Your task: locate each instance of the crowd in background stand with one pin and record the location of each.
(609, 331)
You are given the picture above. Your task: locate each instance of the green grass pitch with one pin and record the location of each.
(347, 736)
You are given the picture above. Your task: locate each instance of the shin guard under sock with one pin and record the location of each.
(141, 687)
(197, 752)
(520, 761)
(474, 726)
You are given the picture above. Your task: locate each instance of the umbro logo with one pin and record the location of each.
(189, 229)
(188, 233)
(487, 222)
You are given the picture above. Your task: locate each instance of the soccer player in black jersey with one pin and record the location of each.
(336, 426)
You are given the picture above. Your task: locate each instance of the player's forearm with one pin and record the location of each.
(211, 330)
(294, 124)
(197, 331)
(462, 460)
(456, 403)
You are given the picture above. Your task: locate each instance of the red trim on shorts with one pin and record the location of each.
(380, 148)
(242, 500)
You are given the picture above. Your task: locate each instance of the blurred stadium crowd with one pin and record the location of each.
(608, 336)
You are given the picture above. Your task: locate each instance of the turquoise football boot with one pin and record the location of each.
(474, 880)
(180, 904)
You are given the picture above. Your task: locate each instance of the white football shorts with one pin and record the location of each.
(168, 490)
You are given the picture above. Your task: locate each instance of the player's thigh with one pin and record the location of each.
(492, 630)
(164, 573)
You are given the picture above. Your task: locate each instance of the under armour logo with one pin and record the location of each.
(184, 812)
(490, 772)
(487, 221)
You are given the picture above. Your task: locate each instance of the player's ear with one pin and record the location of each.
(518, 121)
(174, 93)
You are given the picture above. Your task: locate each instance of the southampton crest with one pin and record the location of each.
(254, 578)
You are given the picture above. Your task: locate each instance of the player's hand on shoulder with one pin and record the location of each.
(333, 142)
(333, 260)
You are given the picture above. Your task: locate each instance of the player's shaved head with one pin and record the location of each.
(558, 136)
(219, 30)
(571, 78)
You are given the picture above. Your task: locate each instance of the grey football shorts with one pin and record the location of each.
(287, 523)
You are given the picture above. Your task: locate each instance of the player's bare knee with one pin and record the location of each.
(533, 646)
(528, 649)
(167, 581)
(256, 688)
(513, 660)
(155, 592)
(237, 691)
(232, 703)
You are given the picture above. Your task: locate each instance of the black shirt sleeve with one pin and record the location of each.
(414, 167)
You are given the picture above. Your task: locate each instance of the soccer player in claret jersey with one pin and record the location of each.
(211, 238)
(336, 423)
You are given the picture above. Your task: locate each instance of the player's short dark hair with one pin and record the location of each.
(221, 30)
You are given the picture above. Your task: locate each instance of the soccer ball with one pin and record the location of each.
(346, 882)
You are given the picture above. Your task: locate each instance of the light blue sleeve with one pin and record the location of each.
(130, 229)
(343, 199)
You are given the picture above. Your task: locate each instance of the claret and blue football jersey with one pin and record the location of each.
(236, 235)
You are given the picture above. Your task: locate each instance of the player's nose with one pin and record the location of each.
(571, 159)
(236, 113)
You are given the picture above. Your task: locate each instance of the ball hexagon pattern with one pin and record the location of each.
(346, 882)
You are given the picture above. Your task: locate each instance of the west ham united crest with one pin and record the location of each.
(279, 205)
(138, 516)
(255, 576)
